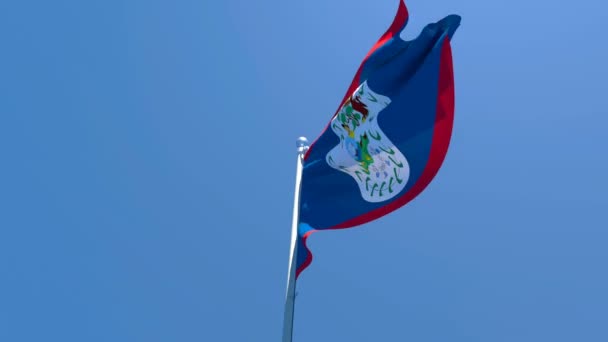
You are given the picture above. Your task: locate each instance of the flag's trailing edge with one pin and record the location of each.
(389, 136)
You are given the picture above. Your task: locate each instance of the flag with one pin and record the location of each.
(389, 136)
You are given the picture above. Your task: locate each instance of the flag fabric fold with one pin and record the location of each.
(389, 136)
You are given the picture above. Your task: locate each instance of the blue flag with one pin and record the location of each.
(389, 136)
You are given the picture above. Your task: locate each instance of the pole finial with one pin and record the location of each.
(302, 144)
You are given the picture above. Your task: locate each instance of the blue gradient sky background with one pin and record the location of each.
(148, 159)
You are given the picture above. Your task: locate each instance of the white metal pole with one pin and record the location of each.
(302, 144)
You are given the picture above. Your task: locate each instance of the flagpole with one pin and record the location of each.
(290, 297)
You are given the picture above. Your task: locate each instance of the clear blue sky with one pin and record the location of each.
(148, 160)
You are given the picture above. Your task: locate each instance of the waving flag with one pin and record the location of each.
(389, 136)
